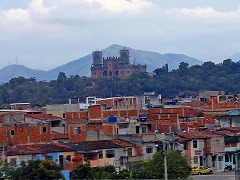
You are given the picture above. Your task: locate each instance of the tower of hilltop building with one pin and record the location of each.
(110, 67)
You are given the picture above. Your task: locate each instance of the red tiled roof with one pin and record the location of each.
(232, 129)
(36, 148)
(46, 117)
(197, 134)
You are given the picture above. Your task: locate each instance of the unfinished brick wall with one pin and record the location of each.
(19, 133)
(74, 136)
(209, 118)
(107, 129)
(95, 112)
(108, 113)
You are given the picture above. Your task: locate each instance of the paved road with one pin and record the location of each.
(230, 175)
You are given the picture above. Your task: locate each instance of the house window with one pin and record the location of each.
(48, 158)
(194, 143)
(77, 130)
(13, 161)
(100, 154)
(12, 132)
(68, 158)
(149, 149)
(144, 129)
(44, 129)
(129, 152)
(110, 153)
(214, 159)
(185, 146)
(137, 129)
(195, 159)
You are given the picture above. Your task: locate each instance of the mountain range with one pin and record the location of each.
(82, 65)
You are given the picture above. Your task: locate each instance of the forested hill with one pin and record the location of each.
(183, 81)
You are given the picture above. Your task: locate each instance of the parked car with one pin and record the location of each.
(201, 170)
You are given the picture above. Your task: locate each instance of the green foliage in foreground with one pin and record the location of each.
(150, 169)
(153, 168)
(39, 169)
(85, 171)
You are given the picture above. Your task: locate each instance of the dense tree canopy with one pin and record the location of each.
(85, 171)
(153, 168)
(185, 81)
(39, 169)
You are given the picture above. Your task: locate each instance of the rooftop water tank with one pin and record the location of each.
(112, 118)
(143, 119)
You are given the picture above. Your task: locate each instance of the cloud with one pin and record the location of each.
(64, 29)
(206, 13)
(122, 6)
(38, 7)
(16, 15)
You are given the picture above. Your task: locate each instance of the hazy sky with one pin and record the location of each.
(43, 34)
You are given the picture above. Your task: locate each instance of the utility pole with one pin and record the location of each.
(3, 152)
(165, 160)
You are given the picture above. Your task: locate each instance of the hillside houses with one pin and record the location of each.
(121, 130)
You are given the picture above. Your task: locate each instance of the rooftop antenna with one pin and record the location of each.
(16, 60)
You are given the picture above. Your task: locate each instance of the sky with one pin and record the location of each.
(44, 34)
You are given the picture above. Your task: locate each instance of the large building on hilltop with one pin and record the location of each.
(114, 66)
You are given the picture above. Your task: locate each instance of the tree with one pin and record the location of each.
(6, 171)
(154, 168)
(62, 78)
(85, 171)
(162, 70)
(39, 169)
(109, 172)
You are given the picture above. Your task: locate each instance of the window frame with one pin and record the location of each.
(195, 143)
(149, 149)
(110, 153)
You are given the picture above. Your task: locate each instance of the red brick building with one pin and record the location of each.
(114, 66)
(25, 133)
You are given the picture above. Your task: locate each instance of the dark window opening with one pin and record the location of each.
(110, 153)
(149, 149)
(137, 129)
(44, 129)
(12, 132)
(68, 158)
(194, 143)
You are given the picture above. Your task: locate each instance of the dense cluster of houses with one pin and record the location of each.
(119, 131)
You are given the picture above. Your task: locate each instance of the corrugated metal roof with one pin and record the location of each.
(100, 144)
